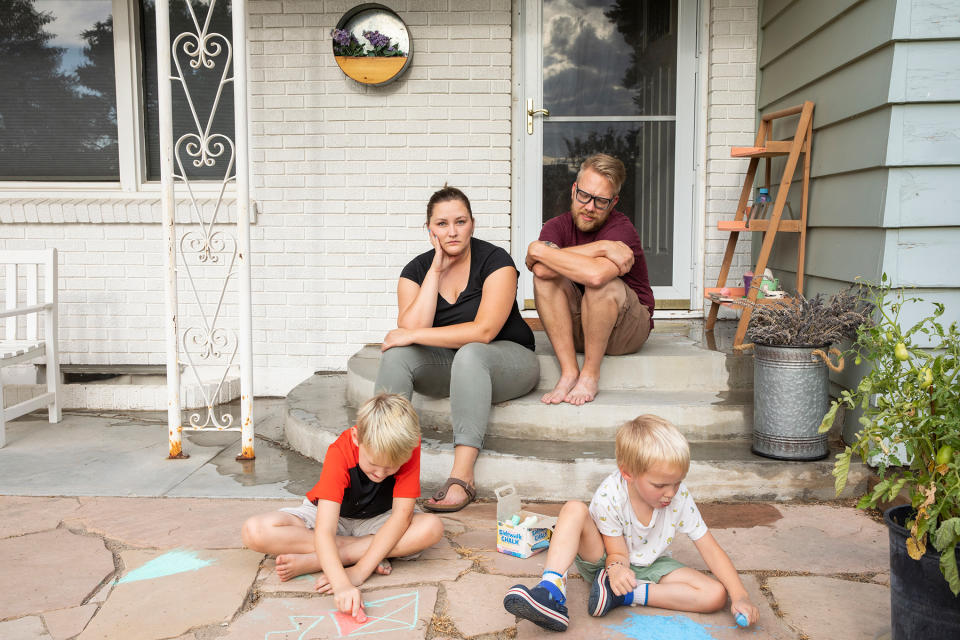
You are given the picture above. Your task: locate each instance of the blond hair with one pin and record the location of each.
(650, 440)
(609, 167)
(388, 426)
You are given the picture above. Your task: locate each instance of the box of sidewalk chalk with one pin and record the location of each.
(520, 533)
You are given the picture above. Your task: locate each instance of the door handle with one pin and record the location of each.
(532, 112)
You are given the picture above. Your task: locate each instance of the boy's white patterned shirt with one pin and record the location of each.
(611, 510)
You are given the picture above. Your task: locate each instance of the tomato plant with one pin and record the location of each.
(910, 402)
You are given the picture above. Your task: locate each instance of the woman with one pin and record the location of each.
(459, 334)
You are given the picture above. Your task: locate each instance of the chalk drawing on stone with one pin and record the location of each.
(676, 627)
(307, 576)
(168, 564)
(393, 613)
(294, 620)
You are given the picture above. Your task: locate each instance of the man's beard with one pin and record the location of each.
(592, 225)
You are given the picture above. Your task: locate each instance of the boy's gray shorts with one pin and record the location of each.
(352, 527)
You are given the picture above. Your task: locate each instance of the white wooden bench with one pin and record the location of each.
(21, 341)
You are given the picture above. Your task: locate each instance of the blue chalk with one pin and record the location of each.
(540, 545)
(742, 620)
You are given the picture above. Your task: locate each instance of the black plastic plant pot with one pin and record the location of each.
(921, 603)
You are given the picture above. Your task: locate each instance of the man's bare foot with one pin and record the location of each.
(564, 386)
(384, 568)
(291, 565)
(584, 391)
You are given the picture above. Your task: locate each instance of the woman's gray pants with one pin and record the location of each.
(474, 376)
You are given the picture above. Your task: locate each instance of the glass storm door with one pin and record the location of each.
(617, 77)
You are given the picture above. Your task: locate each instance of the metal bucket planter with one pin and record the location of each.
(791, 394)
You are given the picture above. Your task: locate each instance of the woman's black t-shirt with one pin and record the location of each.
(485, 258)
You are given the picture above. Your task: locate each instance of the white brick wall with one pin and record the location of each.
(731, 120)
(342, 173)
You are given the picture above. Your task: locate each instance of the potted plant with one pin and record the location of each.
(910, 401)
(375, 62)
(791, 339)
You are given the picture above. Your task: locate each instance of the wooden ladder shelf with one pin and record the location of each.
(765, 148)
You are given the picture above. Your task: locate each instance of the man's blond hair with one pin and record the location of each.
(647, 441)
(609, 167)
(388, 427)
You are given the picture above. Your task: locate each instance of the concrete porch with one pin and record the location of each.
(691, 378)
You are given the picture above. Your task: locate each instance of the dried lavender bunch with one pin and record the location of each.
(809, 321)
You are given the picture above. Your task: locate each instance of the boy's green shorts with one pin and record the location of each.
(651, 573)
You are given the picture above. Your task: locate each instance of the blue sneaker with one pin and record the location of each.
(538, 606)
(602, 598)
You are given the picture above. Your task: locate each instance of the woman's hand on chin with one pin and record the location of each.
(441, 261)
(397, 338)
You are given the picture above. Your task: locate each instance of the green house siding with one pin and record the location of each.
(885, 171)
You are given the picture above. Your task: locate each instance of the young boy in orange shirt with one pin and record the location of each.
(361, 510)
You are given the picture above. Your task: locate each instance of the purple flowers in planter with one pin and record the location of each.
(377, 39)
(342, 37)
(346, 44)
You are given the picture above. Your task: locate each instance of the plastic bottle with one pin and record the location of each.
(761, 203)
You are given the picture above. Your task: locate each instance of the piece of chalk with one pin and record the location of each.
(515, 520)
(742, 620)
(361, 617)
(540, 545)
(529, 521)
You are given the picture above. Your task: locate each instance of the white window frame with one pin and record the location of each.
(131, 132)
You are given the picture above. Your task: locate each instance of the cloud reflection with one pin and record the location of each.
(609, 57)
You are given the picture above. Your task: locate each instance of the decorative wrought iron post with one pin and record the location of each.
(204, 250)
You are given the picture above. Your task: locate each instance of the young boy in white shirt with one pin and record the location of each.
(620, 542)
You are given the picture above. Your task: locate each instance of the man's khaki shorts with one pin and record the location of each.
(630, 331)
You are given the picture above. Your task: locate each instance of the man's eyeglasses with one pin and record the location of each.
(584, 198)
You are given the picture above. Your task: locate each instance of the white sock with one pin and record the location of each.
(641, 594)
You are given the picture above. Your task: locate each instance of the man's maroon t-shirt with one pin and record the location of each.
(564, 233)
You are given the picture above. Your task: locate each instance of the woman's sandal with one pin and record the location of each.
(442, 493)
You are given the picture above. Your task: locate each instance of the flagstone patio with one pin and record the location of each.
(88, 560)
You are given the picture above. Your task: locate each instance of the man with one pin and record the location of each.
(590, 281)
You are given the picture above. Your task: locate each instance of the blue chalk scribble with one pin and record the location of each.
(676, 627)
(178, 561)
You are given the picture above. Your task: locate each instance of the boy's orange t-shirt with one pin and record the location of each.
(342, 480)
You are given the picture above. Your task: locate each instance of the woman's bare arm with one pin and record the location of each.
(499, 293)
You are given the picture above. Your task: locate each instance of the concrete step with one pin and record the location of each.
(550, 469)
(700, 415)
(668, 361)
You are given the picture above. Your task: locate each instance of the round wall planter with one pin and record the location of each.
(791, 394)
(921, 603)
(375, 71)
